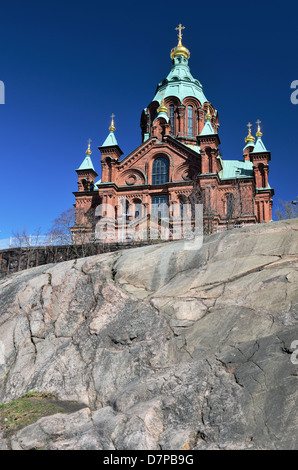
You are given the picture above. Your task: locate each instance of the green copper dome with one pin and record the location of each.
(180, 83)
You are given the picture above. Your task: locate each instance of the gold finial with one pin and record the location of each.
(259, 133)
(180, 49)
(112, 126)
(88, 151)
(162, 107)
(179, 28)
(208, 115)
(249, 138)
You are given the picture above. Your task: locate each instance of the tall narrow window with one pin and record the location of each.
(137, 208)
(190, 121)
(181, 203)
(126, 214)
(171, 114)
(229, 206)
(210, 163)
(262, 173)
(160, 171)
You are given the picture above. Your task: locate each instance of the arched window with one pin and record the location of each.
(160, 171)
(262, 173)
(184, 207)
(190, 121)
(137, 208)
(85, 185)
(172, 120)
(210, 166)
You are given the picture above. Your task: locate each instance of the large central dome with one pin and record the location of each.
(180, 83)
(179, 107)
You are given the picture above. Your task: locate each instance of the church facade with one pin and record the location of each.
(178, 164)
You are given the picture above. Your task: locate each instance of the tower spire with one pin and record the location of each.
(112, 126)
(88, 151)
(249, 138)
(180, 49)
(179, 28)
(259, 133)
(111, 140)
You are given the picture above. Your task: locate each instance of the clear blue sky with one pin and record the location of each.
(68, 65)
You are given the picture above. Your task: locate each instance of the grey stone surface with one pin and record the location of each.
(167, 347)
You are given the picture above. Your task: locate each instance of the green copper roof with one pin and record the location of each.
(207, 129)
(259, 147)
(249, 144)
(195, 148)
(236, 169)
(180, 83)
(87, 164)
(110, 140)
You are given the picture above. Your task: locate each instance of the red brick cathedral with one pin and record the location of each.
(179, 162)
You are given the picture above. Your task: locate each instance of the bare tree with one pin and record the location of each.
(287, 210)
(60, 232)
(74, 228)
(26, 246)
(23, 240)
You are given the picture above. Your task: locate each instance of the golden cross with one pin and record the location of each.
(113, 115)
(89, 142)
(249, 126)
(258, 122)
(180, 27)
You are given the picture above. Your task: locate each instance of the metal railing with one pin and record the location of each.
(32, 241)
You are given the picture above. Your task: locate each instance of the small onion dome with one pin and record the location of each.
(208, 115)
(180, 49)
(249, 138)
(112, 126)
(162, 108)
(88, 151)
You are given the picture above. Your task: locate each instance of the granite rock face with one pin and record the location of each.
(167, 346)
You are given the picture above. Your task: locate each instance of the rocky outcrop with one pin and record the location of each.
(168, 346)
